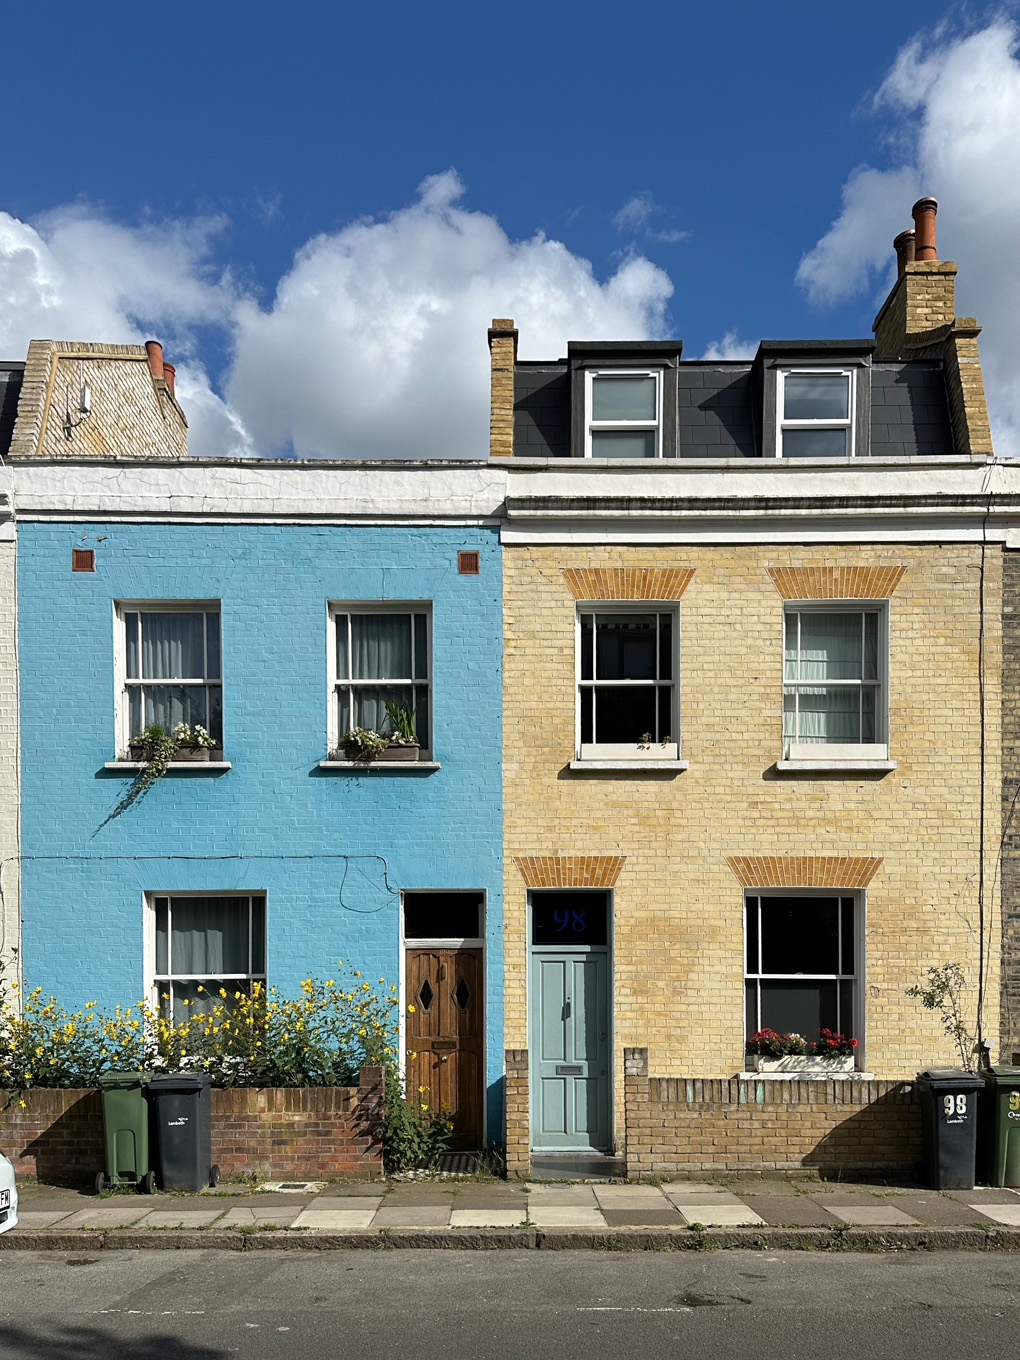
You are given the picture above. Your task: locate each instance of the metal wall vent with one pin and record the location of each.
(83, 559)
(469, 563)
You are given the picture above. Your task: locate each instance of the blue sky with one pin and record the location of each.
(244, 182)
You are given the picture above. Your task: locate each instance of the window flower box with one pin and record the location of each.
(139, 751)
(794, 1063)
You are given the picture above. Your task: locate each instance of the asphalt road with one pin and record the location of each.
(204, 1305)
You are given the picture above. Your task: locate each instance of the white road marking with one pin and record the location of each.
(620, 1309)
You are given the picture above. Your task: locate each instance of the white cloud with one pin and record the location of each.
(954, 106)
(637, 217)
(374, 344)
(731, 346)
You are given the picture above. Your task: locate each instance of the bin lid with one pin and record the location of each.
(1001, 1074)
(955, 1077)
(108, 1080)
(180, 1081)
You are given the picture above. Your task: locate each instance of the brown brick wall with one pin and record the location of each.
(309, 1133)
(518, 1130)
(677, 1125)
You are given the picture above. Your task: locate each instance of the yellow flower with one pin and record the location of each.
(422, 1090)
(410, 1010)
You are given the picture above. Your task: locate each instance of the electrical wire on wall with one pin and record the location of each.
(391, 893)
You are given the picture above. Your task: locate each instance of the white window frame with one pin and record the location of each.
(857, 977)
(831, 751)
(591, 425)
(122, 720)
(339, 608)
(848, 424)
(155, 982)
(622, 751)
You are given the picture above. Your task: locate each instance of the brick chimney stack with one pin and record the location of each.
(502, 354)
(918, 321)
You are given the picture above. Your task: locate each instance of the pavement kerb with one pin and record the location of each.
(529, 1239)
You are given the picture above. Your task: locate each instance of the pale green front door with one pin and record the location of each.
(570, 1024)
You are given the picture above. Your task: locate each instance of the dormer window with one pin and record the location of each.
(624, 413)
(816, 413)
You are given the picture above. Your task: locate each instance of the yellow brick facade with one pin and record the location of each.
(678, 921)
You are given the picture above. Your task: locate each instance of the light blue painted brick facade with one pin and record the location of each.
(274, 823)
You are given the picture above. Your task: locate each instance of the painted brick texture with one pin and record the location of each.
(287, 1133)
(9, 868)
(678, 929)
(331, 851)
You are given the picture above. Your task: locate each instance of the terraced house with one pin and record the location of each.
(752, 736)
(277, 605)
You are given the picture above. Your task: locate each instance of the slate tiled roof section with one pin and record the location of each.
(627, 583)
(836, 583)
(570, 871)
(719, 409)
(804, 871)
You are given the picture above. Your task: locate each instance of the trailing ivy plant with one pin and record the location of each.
(158, 749)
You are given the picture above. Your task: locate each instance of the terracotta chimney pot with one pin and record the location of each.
(155, 352)
(923, 213)
(169, 373)
(904, 248)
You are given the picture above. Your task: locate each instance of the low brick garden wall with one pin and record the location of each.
(677, 1126)
(282, 1133)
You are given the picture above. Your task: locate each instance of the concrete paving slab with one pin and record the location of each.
(720, 1215)
(562, 1194)
(872, 1216)
(697, 1190)
(255, 1218)
(643, 1218)
(170, 1218)
(486, 1218)
(413, 1216)
(838, 1196)
(354, 1189)
(565, 1216)
(789, 1211)
(620, 1196)
(34, 1220)
(105, 1215)
(705, 1197)
(334, 1220)
(346, 1204)
(936, 1210)
(1008, 1214)
(985, 1195)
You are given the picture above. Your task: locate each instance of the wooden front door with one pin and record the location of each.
(444, 1030)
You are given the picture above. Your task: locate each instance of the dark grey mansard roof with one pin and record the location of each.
(719, 402)
(11, 375)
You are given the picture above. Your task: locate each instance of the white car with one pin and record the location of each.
(8, 1196)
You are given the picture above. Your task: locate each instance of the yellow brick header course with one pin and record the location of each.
(570, 871)
(627, 583)
(803, 871)
(836, 583)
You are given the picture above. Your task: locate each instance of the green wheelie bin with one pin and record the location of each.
(1000, 1125)
(126, 1132)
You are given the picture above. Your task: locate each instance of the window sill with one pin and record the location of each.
(192, 766)
(389, 766)
(630, 766)
(835, 766)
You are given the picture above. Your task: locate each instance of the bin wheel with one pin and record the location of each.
(214, 1176)
(148, 1183)
(101, 1182)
